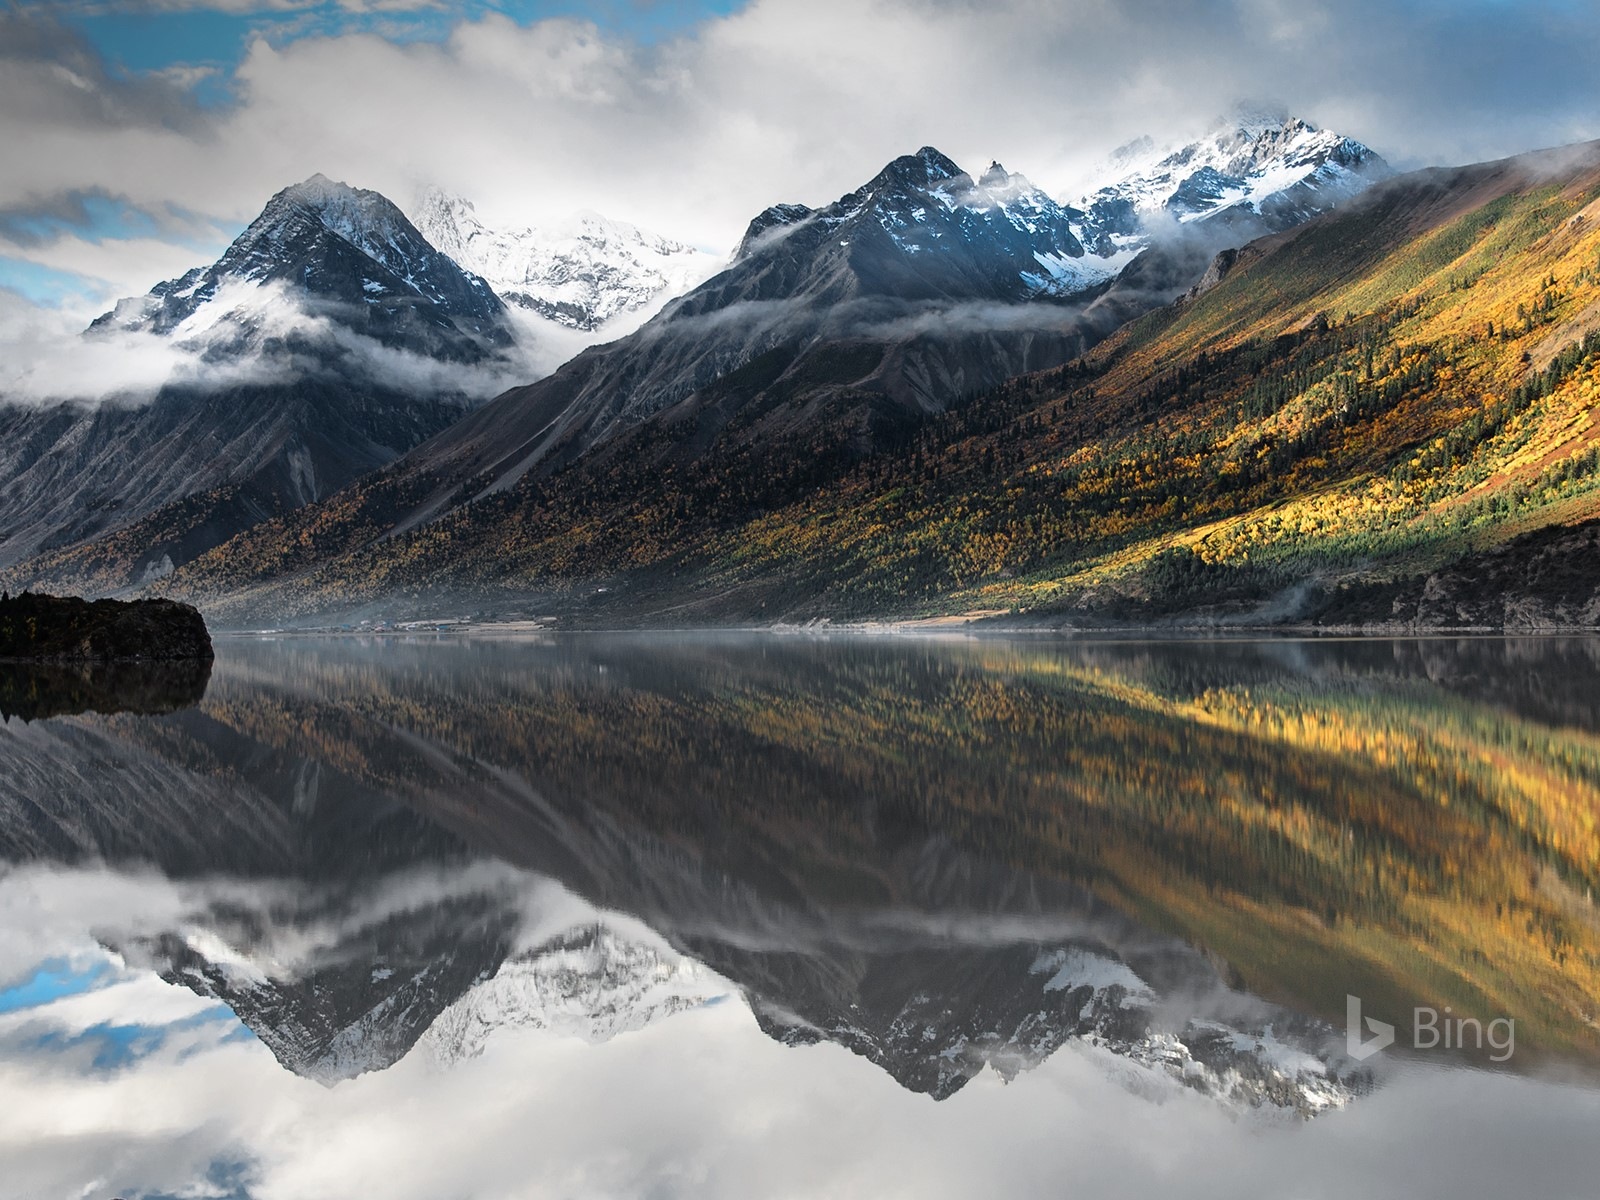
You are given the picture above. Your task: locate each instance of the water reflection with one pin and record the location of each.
(949, 859)
(32, 691)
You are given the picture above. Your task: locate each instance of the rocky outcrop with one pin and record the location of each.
(1544, 581)
(34, 626)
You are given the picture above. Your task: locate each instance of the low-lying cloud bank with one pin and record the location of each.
(265, 337)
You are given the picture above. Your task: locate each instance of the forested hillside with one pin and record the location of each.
(1334, 416)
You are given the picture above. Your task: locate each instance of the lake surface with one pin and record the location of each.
(740, 915)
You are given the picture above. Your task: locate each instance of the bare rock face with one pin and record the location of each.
(34, 626)
(1544, 581)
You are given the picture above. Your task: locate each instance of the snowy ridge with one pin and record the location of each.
(590, 983)
(1064, 266)
(927, 207)
(1262, 164)
(1084, 996)
(1241, 1067)
(581, 273)
(1251, 174)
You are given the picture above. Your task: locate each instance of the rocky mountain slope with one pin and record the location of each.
(873, 302)
(1394, 387)
(839, 330)
(330, 338)
(584, 273)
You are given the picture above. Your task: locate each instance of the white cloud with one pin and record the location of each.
(116, 267)
(789, 100)
(783, 100)
(246, 7)
(704, 1104)
(45, 357)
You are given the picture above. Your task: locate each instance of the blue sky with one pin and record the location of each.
(53, 979)
(116, 1040)
(138, 38)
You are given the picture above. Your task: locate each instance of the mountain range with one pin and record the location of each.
(1249, 379)
(1261, 169)
(1352, 422)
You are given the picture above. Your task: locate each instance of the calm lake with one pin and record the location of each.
(747, 915)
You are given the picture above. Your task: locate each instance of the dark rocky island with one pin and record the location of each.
(36, 627)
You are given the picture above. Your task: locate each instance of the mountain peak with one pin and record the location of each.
(1258, 166)
(353, 248)
(324, 196)
(367, 220)
(778, 216)
(317, 184)
(1255, 117)
(926, 168)
(437, 199)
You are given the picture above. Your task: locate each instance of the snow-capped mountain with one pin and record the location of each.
(926, 204)
(581, 273)
(591, 983)
(1019, 1007)
(1254, 171)
(925, 229)
(1261, 170)
(328, 339)
(923, 271)
(325, 250)
(853, 321)
(934, 1019)
(356, 1007)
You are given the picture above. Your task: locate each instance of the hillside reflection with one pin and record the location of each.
(881, 840)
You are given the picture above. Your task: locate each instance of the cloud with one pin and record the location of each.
(787, 101)
(245, 7)
(783, 100)
(704, 1104)
(53, 80)
(45, 356)
(111, 268)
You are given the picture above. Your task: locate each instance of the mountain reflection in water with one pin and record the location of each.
(943, 856)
